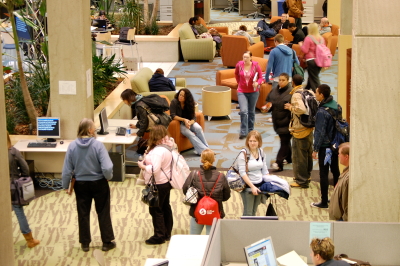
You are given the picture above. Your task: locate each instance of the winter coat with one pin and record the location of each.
(16, 160)
(298, 36)
(221, 193)
(160, 83)
(324, 124)
(298, 108)
(280, 116)
(295, 8)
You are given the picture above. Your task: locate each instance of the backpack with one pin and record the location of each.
(311, 104)
(341, 132)
(297, 69)
(157, 119)
(123, 35)
(323, 56)
(179, 168)
(207, 208)
(285, 7)
(157, 104)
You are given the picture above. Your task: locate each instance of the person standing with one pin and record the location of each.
(252, 168)
(209, 175)
(88, 160)
(302, 137)
(281, 119)
(296, 10)
(338, 207)
(308, 47)
(280, 60)
(249, 77)
(18, 167)
(323, 134)
(158, 163)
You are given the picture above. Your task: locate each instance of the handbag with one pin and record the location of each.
(192, 194)
(22, 191)
(235, 181)
(150, 193)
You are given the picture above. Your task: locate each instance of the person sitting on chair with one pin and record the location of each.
(102, 16)
(298, 34)
(199, 29)
(160, 83)
(243, 32)
(266, 30)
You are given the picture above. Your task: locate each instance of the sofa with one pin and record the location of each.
(140, 84)
(195, 49)
(234, 46)
(227, 78)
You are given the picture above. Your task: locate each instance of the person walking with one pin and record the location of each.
(249, 77)
(18, 167)
(88, 160)
(296, 10)
(208, 175)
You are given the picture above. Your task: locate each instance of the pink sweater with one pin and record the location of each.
(241, 80)
(308, 47)
(158, 158)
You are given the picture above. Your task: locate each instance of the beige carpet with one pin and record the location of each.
(53, 220)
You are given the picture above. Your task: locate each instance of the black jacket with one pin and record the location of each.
(280, 116)
(221, 193)
(160, 83)
(298, 36)
(277, 25)
(141, 114)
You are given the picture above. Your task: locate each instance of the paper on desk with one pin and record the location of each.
(291, 259)
(92, 28)
(100, 138)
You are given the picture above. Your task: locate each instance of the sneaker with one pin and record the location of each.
(154, 241)
(108, 245)
(285, 162)
(195, 152)
(242, 136)
(275, 166)
(85, 247)
(319, 205)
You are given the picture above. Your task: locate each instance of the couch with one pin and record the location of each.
(140, 84)
(227, 78)
(195, 49)
(234, 46)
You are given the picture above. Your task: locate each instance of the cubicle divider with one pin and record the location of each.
(377, 243)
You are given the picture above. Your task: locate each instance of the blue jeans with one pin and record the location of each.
(23, 222)
(196, 229)
(196, 136)
(250, 203)
(247, 103)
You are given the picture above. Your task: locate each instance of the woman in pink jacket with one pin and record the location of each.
(249, 78)
(308, 48)
(158, 160)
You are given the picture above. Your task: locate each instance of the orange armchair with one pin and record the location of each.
(175, 132)
(227, 78)
(234, 46)
(221, 30)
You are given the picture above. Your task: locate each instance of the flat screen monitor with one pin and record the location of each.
(100, 24)
(24, 31)
(103, 122)
(261, 253)
(48, 127)
(173, 81)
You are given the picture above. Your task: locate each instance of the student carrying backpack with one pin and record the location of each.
(323, 56)
(311, 104)
(179, 168)
(341, 131)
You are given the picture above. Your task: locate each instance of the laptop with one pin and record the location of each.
(261, 253)
(100, 24)
(173, 80)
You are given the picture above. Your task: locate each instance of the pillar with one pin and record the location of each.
(182, 11)
(334, 11)
(374, 157)
(6, 243)
(70, 53)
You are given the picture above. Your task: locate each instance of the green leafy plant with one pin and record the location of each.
(131, 15)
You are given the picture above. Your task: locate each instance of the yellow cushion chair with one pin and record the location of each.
(195, 49)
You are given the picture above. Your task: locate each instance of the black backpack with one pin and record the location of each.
(311, 105)
(285, 7)
(123, 35)
(157, 104)
(341, 131)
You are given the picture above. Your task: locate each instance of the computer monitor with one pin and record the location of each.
(100, 24)
(103, 122)
(49, 128)
(24, 31)
(173, 80)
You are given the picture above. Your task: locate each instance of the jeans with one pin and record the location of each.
(99, 191)
(313, 75)
(23, 222)
(247, 103)
(162, 215)
(285, 151)
(302, 160)
(196, 136)
(196, 229)
(250, 203)
(324, 172)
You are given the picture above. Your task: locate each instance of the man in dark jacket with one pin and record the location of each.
(298, 34)
(160, 83)
(323, 134)
(281, 119)
(266, 30)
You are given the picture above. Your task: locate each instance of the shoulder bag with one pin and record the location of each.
(150, 193)
(235, 181)
(22, 190)
(192, 194)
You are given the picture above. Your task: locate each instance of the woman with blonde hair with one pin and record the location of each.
(209, 176)
(158, 163)
(18, 167)
(308, 47)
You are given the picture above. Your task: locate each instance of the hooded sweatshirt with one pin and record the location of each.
(324, 124)
(88, 159)
(280, 61)
(245, 34)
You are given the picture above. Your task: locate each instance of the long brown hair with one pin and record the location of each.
(157, 133)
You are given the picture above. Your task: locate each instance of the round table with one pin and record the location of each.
(216, 101)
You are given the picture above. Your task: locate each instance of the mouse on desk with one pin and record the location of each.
(62, 142)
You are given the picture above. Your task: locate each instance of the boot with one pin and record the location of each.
(30, 241)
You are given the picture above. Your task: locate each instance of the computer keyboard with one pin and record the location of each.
(42, 145)
(121, 131)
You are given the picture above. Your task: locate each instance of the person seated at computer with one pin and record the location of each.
(160, 83)
(199, 29)
(102, 16)
(266, 30)
(243, 32)
(182, 109)
(322, 251)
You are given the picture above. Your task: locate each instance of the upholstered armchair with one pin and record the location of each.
(221, 30)
(300, 55)
(227, 78)
(175, 132)
(195, 49)
(234, 46)
(270, 41)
